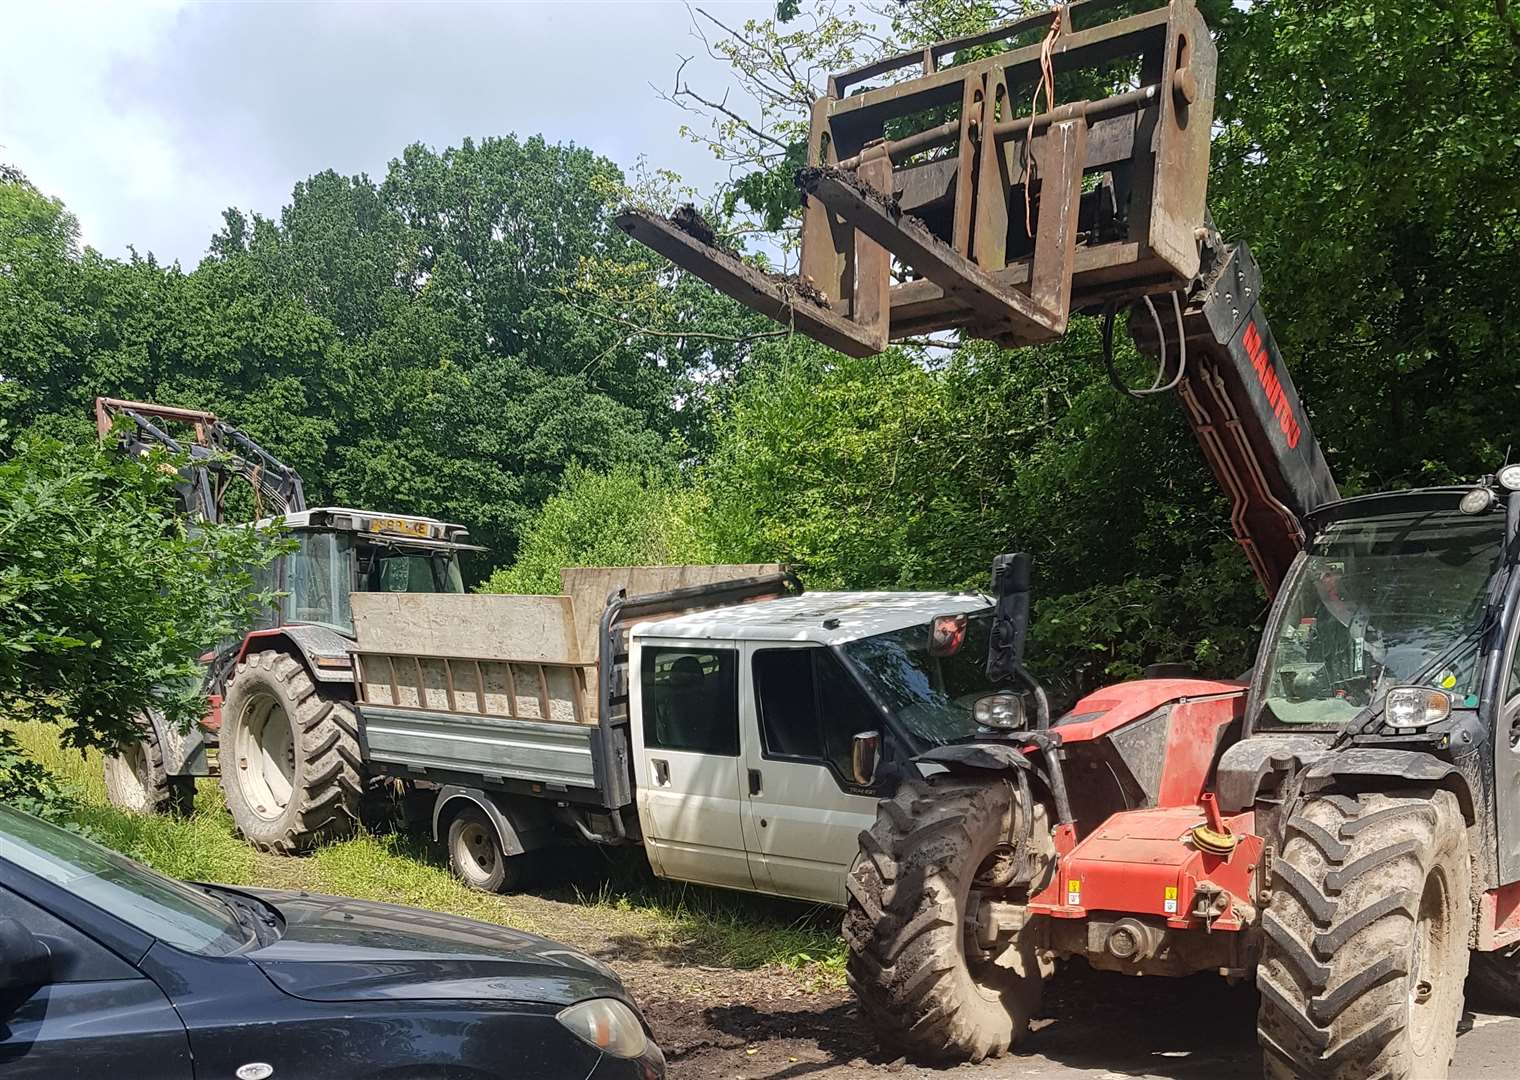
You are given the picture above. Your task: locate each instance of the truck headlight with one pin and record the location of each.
(1415, 706)
(1000, 710)
(606, 1024)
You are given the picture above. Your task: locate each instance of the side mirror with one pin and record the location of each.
(1010, 625)
(865, 755)
(25, 962)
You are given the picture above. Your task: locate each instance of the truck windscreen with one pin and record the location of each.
(932, 696)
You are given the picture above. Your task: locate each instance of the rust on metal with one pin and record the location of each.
(1115, 187)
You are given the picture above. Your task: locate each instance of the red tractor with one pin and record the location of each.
(1343, 824)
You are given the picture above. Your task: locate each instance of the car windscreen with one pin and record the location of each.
(166, 909)
(931, 695)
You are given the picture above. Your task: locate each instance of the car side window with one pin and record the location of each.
(691, 699)
(810, 708)
(76, 957)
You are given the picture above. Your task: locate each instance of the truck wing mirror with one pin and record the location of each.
(1010, 624)
(25, 961)
(865, 755)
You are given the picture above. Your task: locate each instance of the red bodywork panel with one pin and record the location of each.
(1499, 917)
(1144, 862)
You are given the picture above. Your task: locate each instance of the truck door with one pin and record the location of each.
(686, 761)
(804, 813)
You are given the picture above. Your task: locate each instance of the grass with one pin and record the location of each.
(605, 902)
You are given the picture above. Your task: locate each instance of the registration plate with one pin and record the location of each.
(397, 525)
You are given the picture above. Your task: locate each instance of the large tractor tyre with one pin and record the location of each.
(290, 765)
(1365, 939)
(1495, 978)
(477, 858)
(136, 780)
(922, 985)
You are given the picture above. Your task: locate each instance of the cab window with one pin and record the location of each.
(810, 708)
(691, 699)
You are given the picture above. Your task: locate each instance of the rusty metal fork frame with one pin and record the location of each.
(926, 231)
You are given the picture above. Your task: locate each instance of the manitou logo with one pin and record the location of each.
(1266, 374)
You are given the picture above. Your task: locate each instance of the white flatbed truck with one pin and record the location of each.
(741, 732)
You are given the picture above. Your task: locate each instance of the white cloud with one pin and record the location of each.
(149, 119)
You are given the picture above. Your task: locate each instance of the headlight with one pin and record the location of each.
(608, 1025)
(1476, 501)
(1415, 706)
(1509, 477)
(1000, 710)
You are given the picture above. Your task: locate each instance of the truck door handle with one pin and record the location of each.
(754, 781)
(661, 772)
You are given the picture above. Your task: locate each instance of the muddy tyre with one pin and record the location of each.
(137, 782)
(1365, 939)
(476, 856)
(921, 985)
(290, 765)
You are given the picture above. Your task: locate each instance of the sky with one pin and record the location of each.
(148, 118)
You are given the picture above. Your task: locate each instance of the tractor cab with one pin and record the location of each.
(340, 551)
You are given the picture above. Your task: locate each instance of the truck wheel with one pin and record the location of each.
(1365, 939)
(136, 781)
(476, 855)
(925, 988)
(1495, 977)
(289, 757)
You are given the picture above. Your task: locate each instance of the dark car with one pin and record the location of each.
(108, 968)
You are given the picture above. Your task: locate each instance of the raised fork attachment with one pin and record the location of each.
(991, 221)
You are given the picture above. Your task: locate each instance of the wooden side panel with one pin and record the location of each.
(539, 629)
(588, 587)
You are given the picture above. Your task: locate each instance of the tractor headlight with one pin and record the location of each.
(1509, 477)
(608, 1025)
(1415, 706)
(1476, 501)
(1001, 710)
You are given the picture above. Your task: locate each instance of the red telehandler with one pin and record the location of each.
(1343, 824)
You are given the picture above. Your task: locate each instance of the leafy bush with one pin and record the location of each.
(623, 517)
(107, 597)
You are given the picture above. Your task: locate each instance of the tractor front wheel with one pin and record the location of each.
(1365, 938)
(290, 765)
(923, 981)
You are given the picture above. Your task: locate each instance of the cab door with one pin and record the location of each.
(804, 811)
(686, 761)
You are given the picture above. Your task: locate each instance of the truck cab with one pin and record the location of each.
(764, 734)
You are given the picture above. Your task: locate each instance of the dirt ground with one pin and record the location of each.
(716, 1024)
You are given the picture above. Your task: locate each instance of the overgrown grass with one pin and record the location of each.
(607, 902)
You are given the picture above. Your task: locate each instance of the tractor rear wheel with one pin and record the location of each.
(137, 781)
(914, 963)
(290, 765)
(1365, 938)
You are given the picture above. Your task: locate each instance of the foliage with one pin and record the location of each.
(107, 599)
(26, 784)
(621, 517)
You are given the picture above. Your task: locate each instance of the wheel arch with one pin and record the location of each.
(316, 648)
(520, 826)
(1397, 769)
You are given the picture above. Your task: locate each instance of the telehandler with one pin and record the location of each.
(1342, 825)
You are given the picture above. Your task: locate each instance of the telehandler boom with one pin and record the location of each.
(1343, 825)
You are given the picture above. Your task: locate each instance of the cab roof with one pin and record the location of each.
(409, 528)
(802, 618)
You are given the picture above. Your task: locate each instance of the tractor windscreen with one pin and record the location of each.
(1380, 602)
(931, 695)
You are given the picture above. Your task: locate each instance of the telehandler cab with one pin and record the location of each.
(1343, 825)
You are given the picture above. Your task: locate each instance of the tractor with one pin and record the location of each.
(1341, 824)
(280, 730)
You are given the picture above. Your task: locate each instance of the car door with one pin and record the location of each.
(804, 812)
(95, 1015)
(686, 761)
